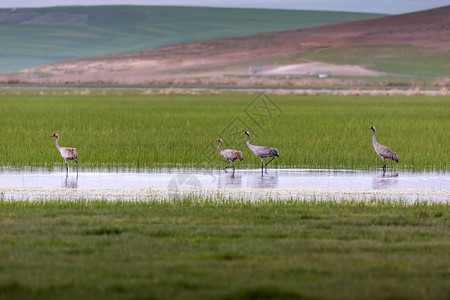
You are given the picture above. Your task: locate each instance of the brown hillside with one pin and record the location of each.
(427, 29)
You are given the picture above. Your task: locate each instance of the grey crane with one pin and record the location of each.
(262, 152)
(229, 154)
(66, 153)
(382, 151)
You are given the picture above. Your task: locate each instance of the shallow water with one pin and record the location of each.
(27, 183)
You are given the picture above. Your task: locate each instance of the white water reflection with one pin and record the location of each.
(275, 183)
(385, 181)
(71, 183)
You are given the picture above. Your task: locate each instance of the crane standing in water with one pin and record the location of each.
(66, 153)
(382, 151)
(229, 154)
(262, 152)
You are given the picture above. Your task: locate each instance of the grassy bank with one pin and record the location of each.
(199, 249)
(35, 36)
(135, 130)
(407, 60)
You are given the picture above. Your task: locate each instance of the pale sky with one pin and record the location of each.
(373, 6)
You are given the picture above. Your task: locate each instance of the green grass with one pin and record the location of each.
(403, 60)
(134, 130)
(202, 249)
(112, 29)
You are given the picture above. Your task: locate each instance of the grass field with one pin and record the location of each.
(136, 130)
(200, 249)
(394, 59)
(110, 29)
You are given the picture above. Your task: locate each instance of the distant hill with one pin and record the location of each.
(415, 45)
(32, 37)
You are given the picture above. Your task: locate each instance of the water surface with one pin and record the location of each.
(389, 184)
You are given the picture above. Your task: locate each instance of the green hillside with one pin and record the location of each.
(32, 37)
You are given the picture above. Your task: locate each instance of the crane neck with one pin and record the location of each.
(374, 141)
(218, 148)
(248, 137)
(57, 143)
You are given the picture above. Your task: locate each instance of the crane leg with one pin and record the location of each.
(77, 166)
(262, 165)
(229, 166)
(384, 165)
(269, 162)
(225, 169)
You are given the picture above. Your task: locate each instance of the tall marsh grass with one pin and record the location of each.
(158, 130)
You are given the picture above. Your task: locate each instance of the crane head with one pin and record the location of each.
(373, 128)
(246, 132)
(55, 135)
(219, 140)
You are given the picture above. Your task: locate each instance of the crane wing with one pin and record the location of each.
(386, 152)
(69, 153)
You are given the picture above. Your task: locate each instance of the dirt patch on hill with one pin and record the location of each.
(50, 19)
(60, 19)
(319, 68)
(8, 17)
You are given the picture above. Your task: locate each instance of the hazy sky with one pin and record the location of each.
(376, 6)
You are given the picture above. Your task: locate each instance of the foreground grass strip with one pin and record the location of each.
(203, 249)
